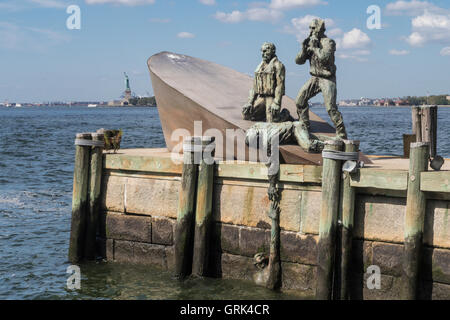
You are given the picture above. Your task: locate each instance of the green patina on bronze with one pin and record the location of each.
(328, 221)
(112, 139)
(286, 133)
(79, 200)
(320, 51)
(96, 164)
(264, 102)
(270, 274)
(414, 220)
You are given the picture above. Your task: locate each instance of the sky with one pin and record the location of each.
(42, 60)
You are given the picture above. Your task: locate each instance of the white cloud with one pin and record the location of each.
(415, 39)
(445, 51)
(396, 52)
(335, 32)
(50, 3)
(354, 39)
(430, 27)
(263, 14)
(263, 11)
(300, 27)
(411, 8)
(121, 2)
(233, 17)
(208, 2)
(354, 44)
(185, 35)
(252, 14)
(289, 4)
(352, 57)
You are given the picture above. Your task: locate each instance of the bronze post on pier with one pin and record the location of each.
(347, 210)
(95, 179)
(414, 220)
(331, 180)
(79, 198)
(203, 209)
(186, 209)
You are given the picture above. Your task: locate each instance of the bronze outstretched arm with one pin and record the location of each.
(303, 55)
(279, 90)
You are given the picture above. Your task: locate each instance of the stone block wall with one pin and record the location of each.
(139, 215)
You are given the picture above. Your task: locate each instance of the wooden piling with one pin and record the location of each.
(429, 127)
(186, 206)
(95, 179)
(203, 209)
(331, 180)
(424, 121)
(407, 140)
(417, 123)
(414, 220)
(346, 231)
(79, 199)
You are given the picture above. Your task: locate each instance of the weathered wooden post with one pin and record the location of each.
(417, 123)
(186, 206)
(407, 140)
(79, 197)
(429, 127)
(95, 179)
(203, 209)
(425, 126)
(331, 180)
(347, 216)
(414, 220)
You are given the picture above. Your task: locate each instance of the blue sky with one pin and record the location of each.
(41, 60)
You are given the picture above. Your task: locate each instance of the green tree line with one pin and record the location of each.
(437, 100)
(144, 101)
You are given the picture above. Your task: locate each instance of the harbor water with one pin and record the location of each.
(36, 171)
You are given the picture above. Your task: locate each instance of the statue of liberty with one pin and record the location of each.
(127, 82)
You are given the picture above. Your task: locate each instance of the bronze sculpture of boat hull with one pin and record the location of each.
(190, 90)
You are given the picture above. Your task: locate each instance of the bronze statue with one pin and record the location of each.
(289, 132)
(264, 103)
(319, 50)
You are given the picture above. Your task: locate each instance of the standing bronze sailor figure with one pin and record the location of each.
(319, 50)
(264, 102)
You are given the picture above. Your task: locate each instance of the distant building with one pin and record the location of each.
(448, 98)
(365, 102)
(389, 103)
(379, 102)
(345, 103)
(400, 102)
